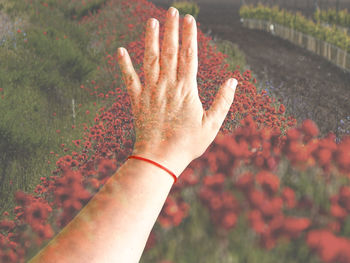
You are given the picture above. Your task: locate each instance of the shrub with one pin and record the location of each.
(331, 17)
(185, 7)
(298, 22)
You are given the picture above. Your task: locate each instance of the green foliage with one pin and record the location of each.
(298, 22)
(185, 7)
(78, 11)
(234, 58)
(331, 17)
(62, 56)
(41, 69)
(20, 108)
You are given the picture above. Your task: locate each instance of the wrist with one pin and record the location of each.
(175, 163)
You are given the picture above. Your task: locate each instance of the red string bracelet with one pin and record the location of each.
(150, 161)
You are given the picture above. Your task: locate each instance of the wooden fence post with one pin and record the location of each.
(73, 107)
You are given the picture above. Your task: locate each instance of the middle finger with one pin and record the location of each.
(170, 46)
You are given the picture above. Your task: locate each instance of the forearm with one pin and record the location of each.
(114, 226)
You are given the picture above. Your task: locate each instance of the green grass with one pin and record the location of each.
(39, 78)
(235, 56)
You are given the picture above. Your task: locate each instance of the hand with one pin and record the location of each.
(170, 122)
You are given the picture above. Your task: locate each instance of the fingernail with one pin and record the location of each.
(188, 19)
(121, 51)
(233, 83)
(153, 23)
(172, 11)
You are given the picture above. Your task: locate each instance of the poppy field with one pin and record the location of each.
(268, 189)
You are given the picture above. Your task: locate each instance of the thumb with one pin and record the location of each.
(216, 115)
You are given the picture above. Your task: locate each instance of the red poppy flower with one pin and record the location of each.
(44, 231)
(5, 213)
(8, 256)
(256, 198)
(324, 156)
(272, 206)
(293, 134)
(276, 222)
(268, 241)
(294, 226)
(106, 168)
(343, 158)
(215, 203)
(62, 194)
(281, 109)
(268, 181)
(171, 207)
(216, 181)
(229, 220)
(245, 181)
(338, 212)
(229, 201)
(22, 198)
(165, 222)
(189, 177)
(7, 225)
(309, 128)
(288, 197)
(256, 221)
(329, 249)
(36, 213)
(206, 193)
(72, 205)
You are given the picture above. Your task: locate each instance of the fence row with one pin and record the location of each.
(343, 29)
(332, 53)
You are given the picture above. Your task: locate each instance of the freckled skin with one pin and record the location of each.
(172, 129)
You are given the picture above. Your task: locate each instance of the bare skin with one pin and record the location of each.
(172, 129)
(169, 115)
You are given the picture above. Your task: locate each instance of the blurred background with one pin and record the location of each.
(309, 85)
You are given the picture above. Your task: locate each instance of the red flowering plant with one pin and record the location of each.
(261, 189)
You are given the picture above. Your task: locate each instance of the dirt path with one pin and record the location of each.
(308, 85)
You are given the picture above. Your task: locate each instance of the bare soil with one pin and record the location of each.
(308, 85)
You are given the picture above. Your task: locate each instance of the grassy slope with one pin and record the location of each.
(39, 79)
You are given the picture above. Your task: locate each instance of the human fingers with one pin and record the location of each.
(151, 57)
(170, 46)
(130, 77)
(221, 105)
(188, 61)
